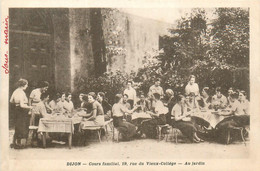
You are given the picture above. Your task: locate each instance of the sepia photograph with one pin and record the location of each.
(81, 77)
(102, 87)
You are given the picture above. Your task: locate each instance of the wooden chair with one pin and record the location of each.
(33, 130)
(175, 132)
(160, 128)
(95, 128)
(240, 129)
(106, 125)
(98, 129)
(169, 129)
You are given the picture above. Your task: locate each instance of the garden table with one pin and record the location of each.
(211, 116)
(58, 125)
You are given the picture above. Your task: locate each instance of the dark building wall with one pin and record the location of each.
(81, 51)
(61, 37)
(77, 42)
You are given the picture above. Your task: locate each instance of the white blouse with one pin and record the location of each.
(69, 106)
(118, 109)
(18, 97)
(36, 95)
(194, 88)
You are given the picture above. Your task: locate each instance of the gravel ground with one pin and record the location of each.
(136, 149)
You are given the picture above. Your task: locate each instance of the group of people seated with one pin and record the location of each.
(159, 108)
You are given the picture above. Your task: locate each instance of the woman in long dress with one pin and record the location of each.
(96, 115)
(22, 119)
(126, 129)
(106, 106)
(158, 113)
(240, 108)
(183, 120)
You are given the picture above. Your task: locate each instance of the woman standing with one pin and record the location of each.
(22, 118)
(127, 129)
(34, 99)
(183, 120)
(192, 87)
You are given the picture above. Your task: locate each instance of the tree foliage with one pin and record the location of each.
(216, 51)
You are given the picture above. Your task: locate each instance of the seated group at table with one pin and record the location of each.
(133, 117)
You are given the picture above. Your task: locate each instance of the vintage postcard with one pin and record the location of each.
(130, 85)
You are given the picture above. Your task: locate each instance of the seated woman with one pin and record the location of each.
(69, 106)
(125, 102)
(61, 105)
(183, 120)
(127, 105)
(219, 101)
(127, 129)
(54, 103)
(144, 105)
(241, 110)
(86, 105)
(96, 115)
(241, 118)
(158, 113)
(192, 102)
(106, 106)
(81, 100)
(205, 99)
(229, 98)
(40, 109)
(171, 101)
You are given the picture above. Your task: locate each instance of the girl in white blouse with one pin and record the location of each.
(183, 120)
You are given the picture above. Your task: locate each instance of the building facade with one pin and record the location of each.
(60, 45)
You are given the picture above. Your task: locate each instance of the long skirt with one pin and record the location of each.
(22, 121)
(200, 121)
(242, 120)
(127, 129)
(230, 122)
(187, 128)
(149, 127)
(99, 121)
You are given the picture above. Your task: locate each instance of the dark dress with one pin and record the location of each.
(149, 127)
(229, 123)
(127, 129)
(22, 122)
(171, 102)
(22, 119)
(106, 107)
(188, 128)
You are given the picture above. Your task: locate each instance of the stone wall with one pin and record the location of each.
(81, 53)
(129, 38)
(119, 41)
(61, 54)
